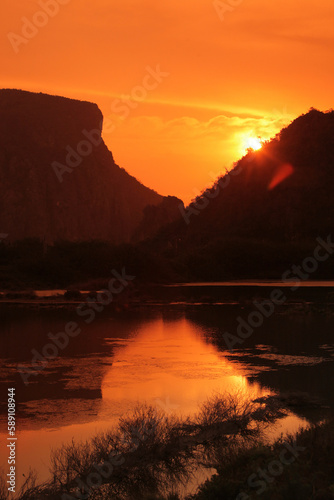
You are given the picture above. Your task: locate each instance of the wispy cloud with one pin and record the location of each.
(193, 148)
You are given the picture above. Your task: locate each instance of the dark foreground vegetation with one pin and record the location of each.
(29, 264)
(150, 454)
(260, 472)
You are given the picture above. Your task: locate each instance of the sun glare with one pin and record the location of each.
(254, 143)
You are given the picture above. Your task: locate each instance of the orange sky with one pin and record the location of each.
(232, 75)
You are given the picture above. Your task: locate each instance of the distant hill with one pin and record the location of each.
(266, 212)
(58, 180)
(282, 192)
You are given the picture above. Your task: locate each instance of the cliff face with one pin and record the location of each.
(58, 179)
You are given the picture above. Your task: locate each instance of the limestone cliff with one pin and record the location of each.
(58, 179)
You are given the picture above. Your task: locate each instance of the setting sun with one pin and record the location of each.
(166, 224)
(254, 143)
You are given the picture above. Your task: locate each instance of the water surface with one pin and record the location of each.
(171, 359)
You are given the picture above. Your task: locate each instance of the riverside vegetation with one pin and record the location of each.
(150, 452)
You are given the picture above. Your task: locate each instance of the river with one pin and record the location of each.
(170, 357)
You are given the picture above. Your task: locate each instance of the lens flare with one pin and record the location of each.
(282, 173)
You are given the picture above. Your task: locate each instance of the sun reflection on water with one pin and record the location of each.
(171, 361)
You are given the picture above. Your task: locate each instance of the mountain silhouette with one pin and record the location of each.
(266, 212)
(257, 221)
(58, 179)
(281, 192)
